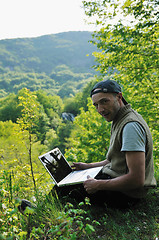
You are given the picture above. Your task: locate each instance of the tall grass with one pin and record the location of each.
(53, 220)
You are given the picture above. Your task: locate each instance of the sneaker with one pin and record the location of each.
(25, 203)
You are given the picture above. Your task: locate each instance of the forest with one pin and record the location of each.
(34, 95)
(59, 63)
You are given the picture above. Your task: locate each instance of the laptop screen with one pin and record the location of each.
(56, 164)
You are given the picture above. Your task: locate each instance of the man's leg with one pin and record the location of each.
(112, 199)
(73, 193)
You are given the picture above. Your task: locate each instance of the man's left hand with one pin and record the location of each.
(90, 185)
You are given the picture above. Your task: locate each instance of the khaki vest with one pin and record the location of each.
(117, 166)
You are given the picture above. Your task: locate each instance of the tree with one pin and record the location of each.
(50, 102)
(52, 139)
(9, 109)
(129, 49)
(127, 43)
(29, 119)
(80, 100)
(14, 160)
(89, 138)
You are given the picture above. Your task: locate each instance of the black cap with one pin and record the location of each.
(107, 86)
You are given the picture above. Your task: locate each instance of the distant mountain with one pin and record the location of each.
(43, 54)
(59, 64)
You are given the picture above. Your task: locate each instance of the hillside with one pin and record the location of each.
(45, 53)
(58, 63)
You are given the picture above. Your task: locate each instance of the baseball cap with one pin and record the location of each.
(107, 86)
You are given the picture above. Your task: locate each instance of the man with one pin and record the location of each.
(128, 170)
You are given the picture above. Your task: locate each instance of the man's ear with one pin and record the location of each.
(120, 95)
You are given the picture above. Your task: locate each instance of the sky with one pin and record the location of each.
(33, 18)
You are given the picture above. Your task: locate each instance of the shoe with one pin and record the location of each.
(24, 204)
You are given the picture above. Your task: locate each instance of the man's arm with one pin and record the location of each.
(82, 166)
(132, 180)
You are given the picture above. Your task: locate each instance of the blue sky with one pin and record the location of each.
(32, 18)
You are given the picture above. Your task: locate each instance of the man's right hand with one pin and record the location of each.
(80, 166)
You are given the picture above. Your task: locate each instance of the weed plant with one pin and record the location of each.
(55, 221)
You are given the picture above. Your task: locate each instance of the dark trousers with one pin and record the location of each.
(77, 193)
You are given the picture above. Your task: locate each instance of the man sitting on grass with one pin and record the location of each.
(128, 170)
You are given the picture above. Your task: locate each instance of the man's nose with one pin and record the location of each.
(100, 108)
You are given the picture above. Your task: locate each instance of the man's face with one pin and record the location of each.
(107, 104)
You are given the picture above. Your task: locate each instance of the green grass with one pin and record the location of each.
(53, 221)
(56, 221)
(139, 222)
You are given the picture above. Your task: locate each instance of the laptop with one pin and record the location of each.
(61, 171)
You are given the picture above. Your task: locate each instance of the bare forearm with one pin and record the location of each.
(122, 183)
(97, 164)
(81, 165)
(135, 177)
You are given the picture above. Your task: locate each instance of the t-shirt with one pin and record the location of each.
(133, 137)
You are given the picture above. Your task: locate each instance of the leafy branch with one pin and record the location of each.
(29, 116)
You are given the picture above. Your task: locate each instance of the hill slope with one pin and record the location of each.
(45, 53)
(56, 63)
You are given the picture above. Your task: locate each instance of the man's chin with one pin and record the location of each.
(107, 118)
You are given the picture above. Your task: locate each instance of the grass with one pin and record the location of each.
(54, 221)
(84, 221)
(139, 222)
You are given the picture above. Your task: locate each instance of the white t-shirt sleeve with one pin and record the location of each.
(133, 137)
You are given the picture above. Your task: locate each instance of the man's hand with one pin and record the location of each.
(91, 185)
(82, 166)
(79, 166)
(132, 180)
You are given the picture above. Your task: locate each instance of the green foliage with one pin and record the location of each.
(28, 121)
(89, 138)
(9, 109)
(42, 112)
(129, 53)
(50, 102)
(131, 49)
(63, 132)
(51, 220)
(32, 117)
(14, 159)
(80, 100)
(30, 107)
(47, 63)
(47, 110)
(45, 53)
(52, 140)
(68, 82)
(12, 82)
(128, 49)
